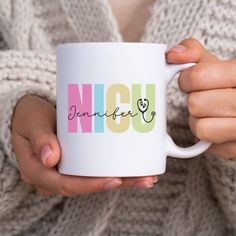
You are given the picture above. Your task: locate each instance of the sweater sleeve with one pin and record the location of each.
(22, 73)
(223, 178)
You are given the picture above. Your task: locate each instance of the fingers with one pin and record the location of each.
(226, 150)
(209, 73)
(189, 50)
(69, 184)
(144, 182)
(74, 185)
(213, 103)
(36, 147)
(137, 182)
(49, 181)
(215, 130)
(34, 172)
(205, 76)
(211, 87)
(213, 115)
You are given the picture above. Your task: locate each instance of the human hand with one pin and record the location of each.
(38, 152)
(211, 95)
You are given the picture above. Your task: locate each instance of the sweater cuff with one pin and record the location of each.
(9, 106)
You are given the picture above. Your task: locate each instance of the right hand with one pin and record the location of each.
(38, 152)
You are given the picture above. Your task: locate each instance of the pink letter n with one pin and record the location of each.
(83, 107)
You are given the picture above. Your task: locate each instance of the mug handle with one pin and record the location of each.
(172, 149)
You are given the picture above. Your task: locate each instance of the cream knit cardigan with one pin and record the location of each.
(194, 197)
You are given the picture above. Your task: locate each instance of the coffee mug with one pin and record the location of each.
(111, 109)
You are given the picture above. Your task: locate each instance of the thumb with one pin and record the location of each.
(46, 146)
(189, 50)
(41, 131)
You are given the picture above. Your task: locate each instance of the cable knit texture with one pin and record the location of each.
(194, 197)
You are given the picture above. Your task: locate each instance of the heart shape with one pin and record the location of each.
(143, 104)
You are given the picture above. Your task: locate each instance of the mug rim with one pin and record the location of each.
(63, 45)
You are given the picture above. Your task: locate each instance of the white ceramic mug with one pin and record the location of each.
(111, 109)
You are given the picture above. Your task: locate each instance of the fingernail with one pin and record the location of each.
(155, 179)
(46, 151)
(112, 184)
(143, 184)
(177, 48)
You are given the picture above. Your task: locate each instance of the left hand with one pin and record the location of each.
(211, 88)
(38, 152)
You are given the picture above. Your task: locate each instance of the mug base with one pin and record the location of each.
(109, 174)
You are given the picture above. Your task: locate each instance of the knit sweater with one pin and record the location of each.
(194, 197)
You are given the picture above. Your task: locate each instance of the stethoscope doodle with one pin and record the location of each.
(143, 105)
